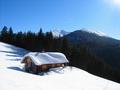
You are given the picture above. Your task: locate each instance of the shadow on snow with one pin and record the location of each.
(14, 52)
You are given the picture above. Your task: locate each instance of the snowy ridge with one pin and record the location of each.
(95, 32)
(12, 77)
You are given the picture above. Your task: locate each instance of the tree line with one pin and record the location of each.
(78, 55)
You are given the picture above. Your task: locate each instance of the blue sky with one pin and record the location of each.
(69, 15)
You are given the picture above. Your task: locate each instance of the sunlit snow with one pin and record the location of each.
(12, 76)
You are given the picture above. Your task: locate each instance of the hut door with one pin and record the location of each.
(28, 67)
(34, 68)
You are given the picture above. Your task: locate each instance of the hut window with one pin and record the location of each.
(44, 67)
(53, 65)
(58, 65)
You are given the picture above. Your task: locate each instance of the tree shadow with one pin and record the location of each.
(17, 51)
(15, 68)
(14, 52)
(14, 55)
(19, 69)
(16, 59)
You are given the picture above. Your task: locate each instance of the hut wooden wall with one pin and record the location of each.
(46, 67)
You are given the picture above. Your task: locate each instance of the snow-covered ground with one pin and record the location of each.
(12, 77)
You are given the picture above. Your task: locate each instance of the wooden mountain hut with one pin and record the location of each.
(36, 62)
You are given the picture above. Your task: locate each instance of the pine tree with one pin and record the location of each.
(4, 34)
(48, 42)
(40, 40)
(65, 46)
(10, 35)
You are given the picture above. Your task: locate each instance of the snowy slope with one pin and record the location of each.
(13, 78)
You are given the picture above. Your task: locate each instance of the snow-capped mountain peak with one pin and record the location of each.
(59, 33)
(95, 32)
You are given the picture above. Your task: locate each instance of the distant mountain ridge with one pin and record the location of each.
(83, 36)
(105, 47)
(94, 32)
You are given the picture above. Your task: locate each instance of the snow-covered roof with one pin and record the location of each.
(46, 57)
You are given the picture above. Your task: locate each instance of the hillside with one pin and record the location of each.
(84, 36)
(12, 76)
(104, 47)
